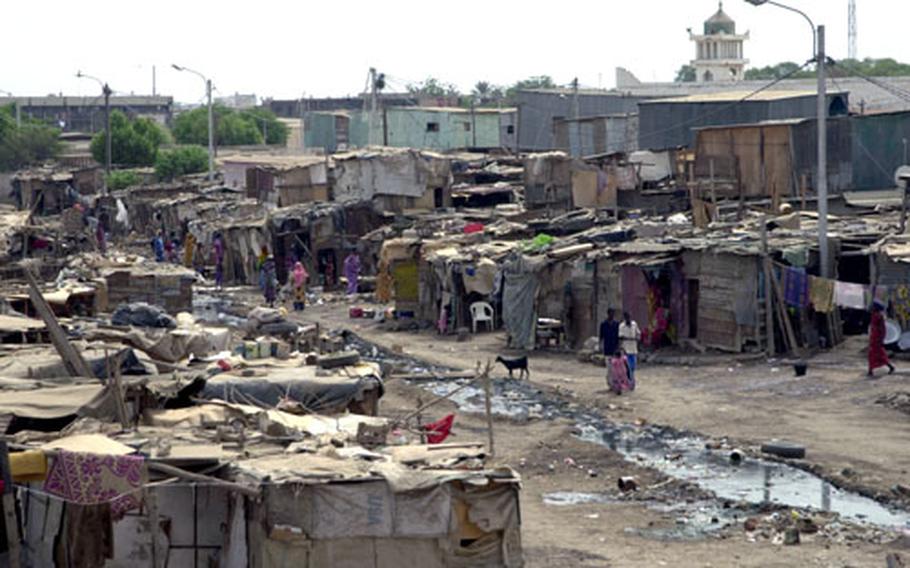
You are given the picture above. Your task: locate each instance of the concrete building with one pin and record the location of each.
(238, 101)
(671, 123)
(432, 128)
(719, 50)
(86, 114)
(540, 110)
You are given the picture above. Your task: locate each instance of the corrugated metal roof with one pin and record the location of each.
(734, 96)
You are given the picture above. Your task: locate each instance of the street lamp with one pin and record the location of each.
(18, 109)
(818, 44)
(106, 91)
(208, 94)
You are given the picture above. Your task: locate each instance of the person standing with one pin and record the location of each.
(218, 253)
(158, 246)
(619, 377)
(878, 357)
(189, 248)
(629, 334)
(300, 278)
(609, 334)
(269, 278)
(352, 271)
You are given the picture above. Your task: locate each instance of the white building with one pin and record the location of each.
(719, 51)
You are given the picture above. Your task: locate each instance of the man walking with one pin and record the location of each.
(628, 336)
(609, 334)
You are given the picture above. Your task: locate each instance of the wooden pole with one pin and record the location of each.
(72, 360)
(488, 403)
(114, 382)
(10, 522)
(151, 499)
(769, 306)
(713, 189)
(785, 319)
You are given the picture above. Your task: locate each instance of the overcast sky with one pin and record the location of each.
(287, 49)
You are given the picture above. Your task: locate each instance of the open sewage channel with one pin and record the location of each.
(679, 455)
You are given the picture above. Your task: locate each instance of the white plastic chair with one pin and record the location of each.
(481, 312)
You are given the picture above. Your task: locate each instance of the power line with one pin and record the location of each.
(702, 116)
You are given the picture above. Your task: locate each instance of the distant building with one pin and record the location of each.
(431, 128)
(237, 101)
(541, 110)
(295, 108)
(719, 50)
(86, 114)
(671, 123)
(597, 135)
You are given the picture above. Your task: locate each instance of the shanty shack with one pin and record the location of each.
(775, 159)
(49, 192)
(273, 490)
(393, 179)
(164, 285)
(279, 180)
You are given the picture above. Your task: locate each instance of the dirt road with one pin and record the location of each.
(850, 440)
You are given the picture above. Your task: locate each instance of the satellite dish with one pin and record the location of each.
(902, 177)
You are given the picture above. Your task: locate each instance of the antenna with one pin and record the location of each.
(852, 30)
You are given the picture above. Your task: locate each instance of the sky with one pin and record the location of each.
(289, 49)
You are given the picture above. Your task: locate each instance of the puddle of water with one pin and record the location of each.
(569, 498)
(753, 481)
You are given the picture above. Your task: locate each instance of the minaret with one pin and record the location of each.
(719, 51)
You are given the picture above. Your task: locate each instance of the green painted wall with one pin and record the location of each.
(878, 148)
(408, 128)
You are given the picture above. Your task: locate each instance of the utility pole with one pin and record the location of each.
(822, 154)
(374, 105)
(208, 93)
(107, 129)
(154, 90)
(575, 114)
(211, 117)
(852, 31)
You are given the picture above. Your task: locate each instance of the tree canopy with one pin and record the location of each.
(133, 142)
(534, 82)
(786, 69)
(433, 87)
(232, 128)
(686, 74)
(180, 161)
(32, 143)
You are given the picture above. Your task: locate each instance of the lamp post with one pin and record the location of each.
(106, 91)
(818, 45)
(19, 109)
(211, 120)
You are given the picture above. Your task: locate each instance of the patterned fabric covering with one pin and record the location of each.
(89, 479)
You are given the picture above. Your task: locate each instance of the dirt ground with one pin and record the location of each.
(850, 440)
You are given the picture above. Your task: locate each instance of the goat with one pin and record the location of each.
(513, 363)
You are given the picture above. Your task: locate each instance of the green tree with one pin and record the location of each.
(785, 69)
(122, 179)
(886, 67)
(133, 142)
(32, 143)
(535, 82)
(231, 127)
(686, 74)
(266, 121)
(183, 160)
(433, 87)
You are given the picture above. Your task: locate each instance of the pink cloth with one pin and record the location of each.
(619, 375)
(89, 479)
(300, 274)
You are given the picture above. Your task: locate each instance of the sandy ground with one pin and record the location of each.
(850, 440)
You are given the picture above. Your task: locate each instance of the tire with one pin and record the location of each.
(784, 450)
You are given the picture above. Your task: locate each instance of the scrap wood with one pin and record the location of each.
(72, 359)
